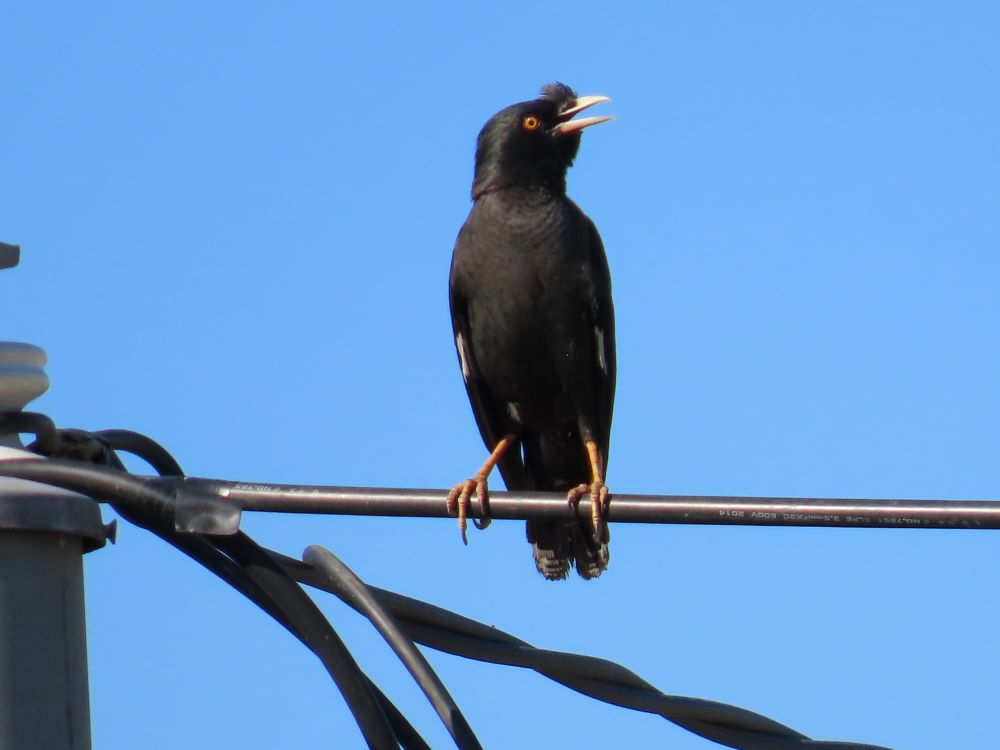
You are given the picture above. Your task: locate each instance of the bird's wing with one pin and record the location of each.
(490, 415)
(603, 320)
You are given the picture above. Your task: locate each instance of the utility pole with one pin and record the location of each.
(44, 532)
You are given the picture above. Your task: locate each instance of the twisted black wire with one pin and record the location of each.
(604, 680)
(352, 589)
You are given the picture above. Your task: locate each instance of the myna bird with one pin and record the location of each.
(534, 327)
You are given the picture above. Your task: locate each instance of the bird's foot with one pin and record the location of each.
(600, 501)
(460, 498)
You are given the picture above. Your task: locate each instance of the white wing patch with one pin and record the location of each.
(463, 356)
(602, 356)
(514, 412)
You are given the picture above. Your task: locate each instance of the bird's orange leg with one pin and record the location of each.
(599, 497)
(460, 496)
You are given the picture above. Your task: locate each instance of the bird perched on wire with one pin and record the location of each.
(534, 327)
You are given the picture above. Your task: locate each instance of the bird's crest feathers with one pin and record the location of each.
(559, 93)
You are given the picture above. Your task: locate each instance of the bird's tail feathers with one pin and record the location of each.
(560, 545)
(554, 462)
(591, 556)
(551, 545)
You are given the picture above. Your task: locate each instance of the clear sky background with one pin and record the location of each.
(237, 221)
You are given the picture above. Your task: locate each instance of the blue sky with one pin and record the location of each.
(237, 220)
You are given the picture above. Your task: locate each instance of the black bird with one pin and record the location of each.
(534, 326)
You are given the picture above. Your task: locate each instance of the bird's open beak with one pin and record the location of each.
(567, 125)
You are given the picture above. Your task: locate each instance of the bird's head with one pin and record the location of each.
(532, 144)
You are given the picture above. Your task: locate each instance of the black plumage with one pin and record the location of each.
(533, 321)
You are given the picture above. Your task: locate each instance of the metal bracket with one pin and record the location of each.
(9, 255)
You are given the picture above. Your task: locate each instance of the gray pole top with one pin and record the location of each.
(35, 507)
(30, 506)
(44, 530)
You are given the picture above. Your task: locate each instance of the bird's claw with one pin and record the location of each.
(600, 501)
(460, 498)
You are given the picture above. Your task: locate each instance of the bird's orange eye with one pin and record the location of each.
(531, 123)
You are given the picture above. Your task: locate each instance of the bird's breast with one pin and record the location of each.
(525, 294)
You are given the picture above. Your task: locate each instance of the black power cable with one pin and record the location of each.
(144, 447)
(39, 425)
(352, 590)
(265, 577)
(597, 678)
(677, 509)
